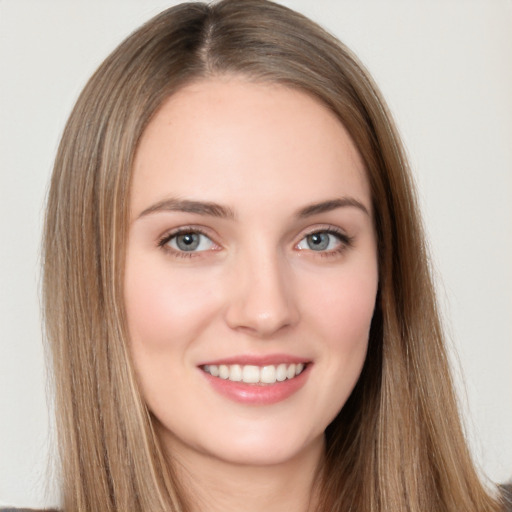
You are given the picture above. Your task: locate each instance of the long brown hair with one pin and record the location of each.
(397, 444)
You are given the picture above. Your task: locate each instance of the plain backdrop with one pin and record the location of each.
(445, 68)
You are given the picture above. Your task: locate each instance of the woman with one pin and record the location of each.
(230, 201)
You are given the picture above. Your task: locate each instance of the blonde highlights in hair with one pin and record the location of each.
(397, 444)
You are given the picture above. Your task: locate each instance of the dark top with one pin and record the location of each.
(506, 492)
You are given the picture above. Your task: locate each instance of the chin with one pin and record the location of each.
(263, 448)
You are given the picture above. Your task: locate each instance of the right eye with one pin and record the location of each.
(187, 242)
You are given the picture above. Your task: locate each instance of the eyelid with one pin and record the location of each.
(164, 239)
(345, 240)
(324, 228)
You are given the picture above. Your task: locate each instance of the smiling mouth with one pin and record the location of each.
(252, 374)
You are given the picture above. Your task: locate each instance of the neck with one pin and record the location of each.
(216, 485)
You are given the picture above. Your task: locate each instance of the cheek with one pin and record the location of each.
(339, 317)
(342, 307)
(162, 305)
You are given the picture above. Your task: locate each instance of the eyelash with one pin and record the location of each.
(345, 241)
(185, 230)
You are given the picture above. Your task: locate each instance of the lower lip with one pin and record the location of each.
(258, 394)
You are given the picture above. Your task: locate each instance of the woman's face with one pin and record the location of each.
(251, 270)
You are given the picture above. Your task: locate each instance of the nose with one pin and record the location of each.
(261, 301)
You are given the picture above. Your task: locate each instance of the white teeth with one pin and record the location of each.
(251, 374)
(235, 373)
(281, 372)
(223, 371)
(268, 374)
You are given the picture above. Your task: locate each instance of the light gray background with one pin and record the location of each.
(445, 68)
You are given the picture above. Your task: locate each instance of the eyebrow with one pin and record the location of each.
(224, 212)
(185, 205)
(329, 205)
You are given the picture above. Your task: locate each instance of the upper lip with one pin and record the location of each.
(258, 360)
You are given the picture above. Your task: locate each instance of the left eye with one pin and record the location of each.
(320, 241)
(190, 242)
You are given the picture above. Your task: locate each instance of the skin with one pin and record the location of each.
(254, 286)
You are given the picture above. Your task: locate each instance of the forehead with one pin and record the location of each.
(226, 138)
